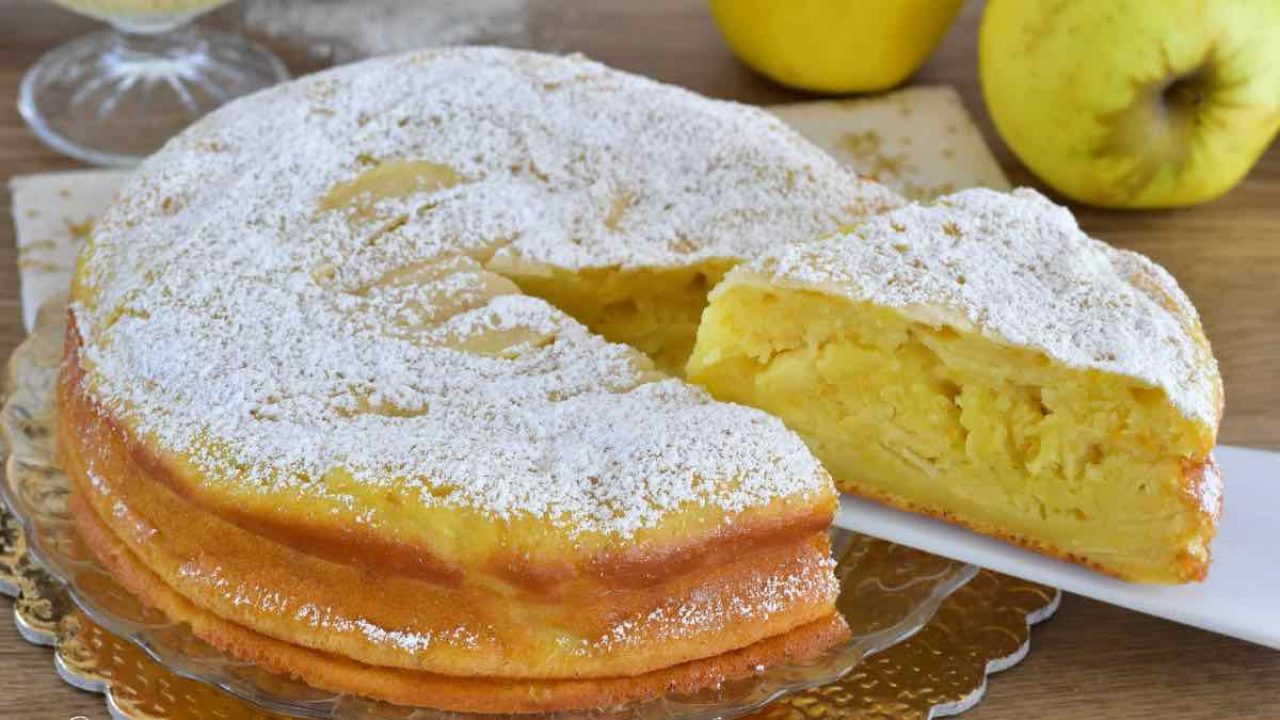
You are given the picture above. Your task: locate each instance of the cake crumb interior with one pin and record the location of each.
(1003, 438)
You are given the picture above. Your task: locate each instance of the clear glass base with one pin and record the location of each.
(112, 97)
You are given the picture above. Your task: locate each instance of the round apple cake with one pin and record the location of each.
(370, 378)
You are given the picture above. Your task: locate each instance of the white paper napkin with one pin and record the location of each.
(919, 140)
(52, 215)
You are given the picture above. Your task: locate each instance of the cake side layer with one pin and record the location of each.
(408, 687)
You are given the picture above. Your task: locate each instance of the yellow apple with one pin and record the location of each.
(834, 46)
(1134, 103)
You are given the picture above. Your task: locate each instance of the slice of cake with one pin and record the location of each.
(981, 359)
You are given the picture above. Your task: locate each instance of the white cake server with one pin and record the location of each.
(1240, 597)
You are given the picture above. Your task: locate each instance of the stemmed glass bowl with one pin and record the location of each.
(114, 96)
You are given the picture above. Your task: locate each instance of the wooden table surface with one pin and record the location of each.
(1092, 660)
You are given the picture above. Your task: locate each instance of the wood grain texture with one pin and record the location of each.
(1092, 660)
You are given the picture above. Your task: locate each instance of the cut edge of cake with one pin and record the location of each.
(982, 360)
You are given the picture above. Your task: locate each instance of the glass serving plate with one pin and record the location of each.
(888, 592)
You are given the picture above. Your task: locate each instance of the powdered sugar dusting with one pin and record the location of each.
(754, 600)
(1018, 268)
(227, 313)
(326, 619)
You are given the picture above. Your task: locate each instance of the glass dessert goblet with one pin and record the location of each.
(114, 96)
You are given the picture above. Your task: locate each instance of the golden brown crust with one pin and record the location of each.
(407, 687)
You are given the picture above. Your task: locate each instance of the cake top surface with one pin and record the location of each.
(294, 294)
(553, 160)
(1018, 269)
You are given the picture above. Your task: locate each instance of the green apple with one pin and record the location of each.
(1134, 103)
